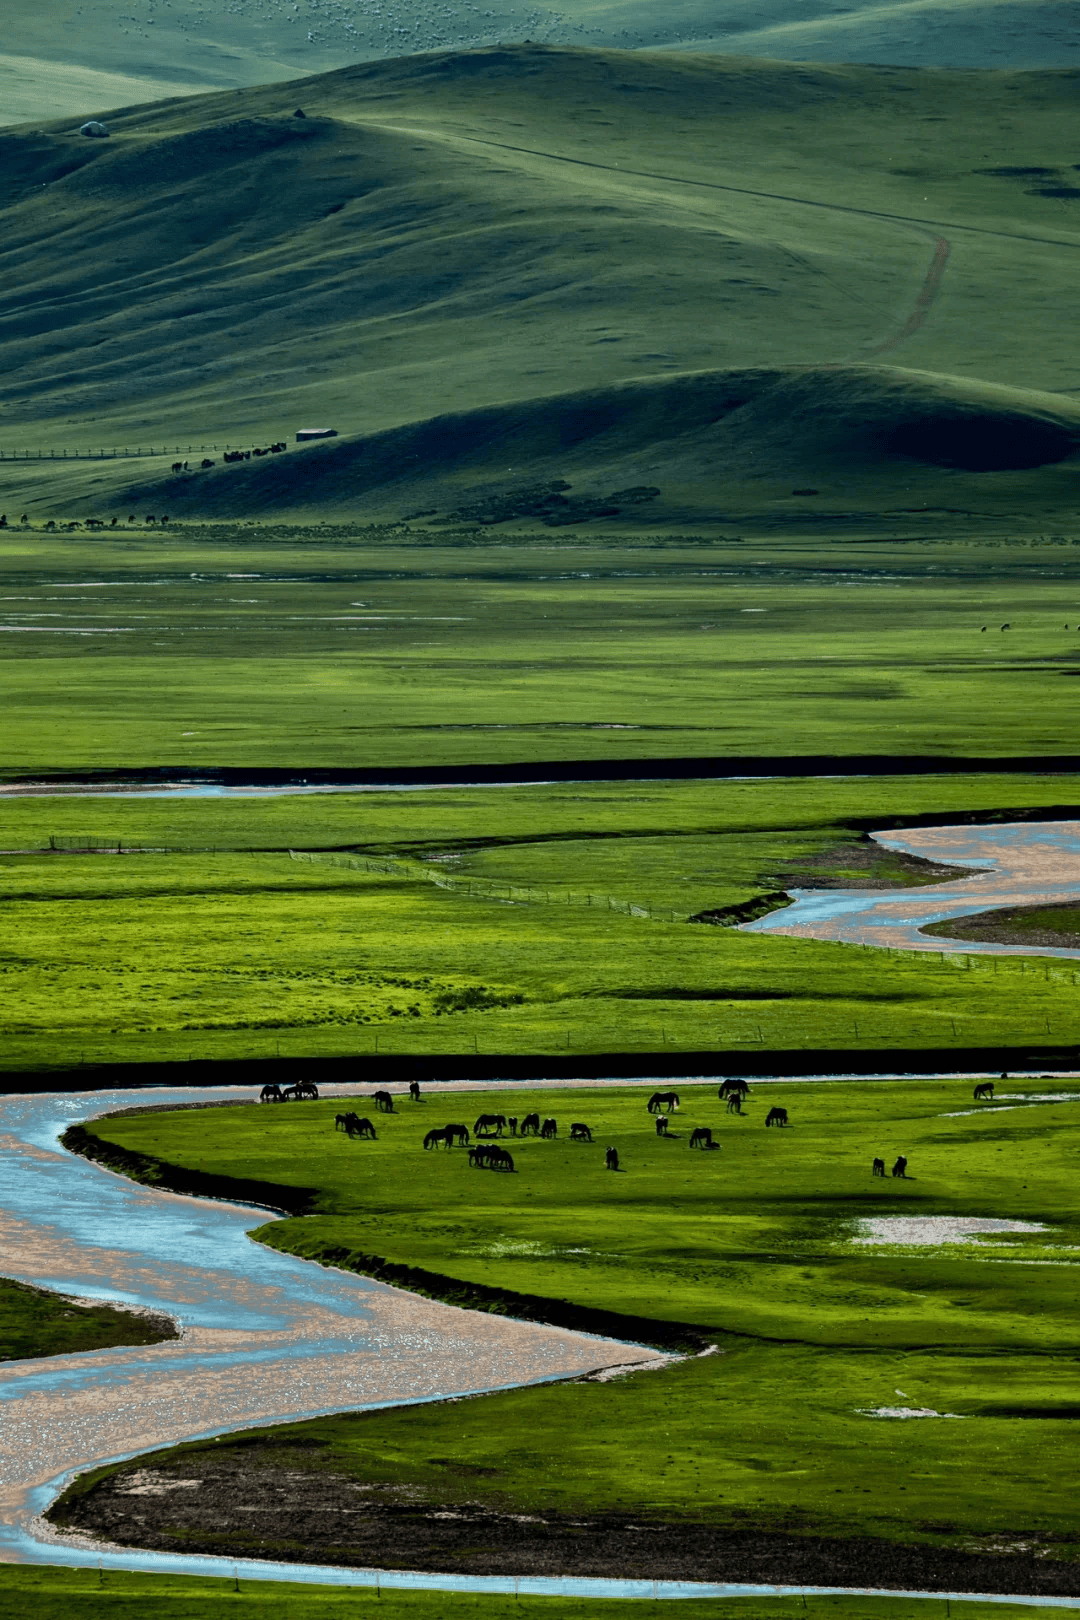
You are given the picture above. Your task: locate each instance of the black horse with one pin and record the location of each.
(457, 1133)
(549, 1129)
(414, 1090)
(530, 1125)
(984, 1091)
(490, 1125)
(383, 1101)
(611, 1159)
(733, 1088)
(776, 1116)
(900, 1168)
(580, 1132)
(433, 1138)
(879, 1167)
(361, 1127)
(702, 1138)
(270, 1093)
(663, 1099)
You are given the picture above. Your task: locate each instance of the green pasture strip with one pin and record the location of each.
(490, 889)
(790, 817)
(221, 953)
(354, 654)
(755, 1243)
(34, 1322)
(117, 1594)
(754, 1239)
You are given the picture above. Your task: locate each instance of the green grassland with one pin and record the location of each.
(755, 1244)
(528, 943)
(517, 225)
(50, 1594)
(34, 1322)
(245, 645)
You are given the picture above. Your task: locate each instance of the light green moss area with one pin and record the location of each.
(755, 1242)
(50, 1593)
(233, 950)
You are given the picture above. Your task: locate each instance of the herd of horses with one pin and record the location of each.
(486, 1154)
(231, 455)
(302, 1091)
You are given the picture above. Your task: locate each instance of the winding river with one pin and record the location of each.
(1013, 864)
(265, 1338)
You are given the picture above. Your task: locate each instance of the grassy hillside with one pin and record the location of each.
(56, 57)
(444, 233)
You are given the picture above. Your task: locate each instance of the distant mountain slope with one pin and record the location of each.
(232, 43)
(690, 448)
(449, 232)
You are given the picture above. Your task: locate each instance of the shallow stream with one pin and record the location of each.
(1013, 864)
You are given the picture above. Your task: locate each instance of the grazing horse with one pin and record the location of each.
(499, 1159)
(488, 1156)
(734, 1103)
(580, 1133)
(530, 1125)
(733, 1088)
(361, 1127)
(490, 1125)
(457, 1133)
(341, 1121)
(879, 1167)
(549, 1129)
(611, 1159)
(900, 1168)
(776, 1116)
(986, 1090)
(702, 1138)
(271, 1092)
(663, 1099)
(205, 462)
(662, 1123)
(414, 1090)
(383, 1101)
(511, 1124)
(433, 1138)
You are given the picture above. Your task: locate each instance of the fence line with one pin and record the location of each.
(490, 888)
(111, 454)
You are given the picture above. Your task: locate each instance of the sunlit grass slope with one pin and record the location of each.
(447, 232)
(220, 953)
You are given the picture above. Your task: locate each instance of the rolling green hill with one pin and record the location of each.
(59, 52)
(446, 233)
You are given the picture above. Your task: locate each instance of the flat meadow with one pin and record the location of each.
(886, 1367)
(543, 919)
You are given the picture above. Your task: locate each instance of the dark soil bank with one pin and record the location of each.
(255, 1507)
(1056, 927)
